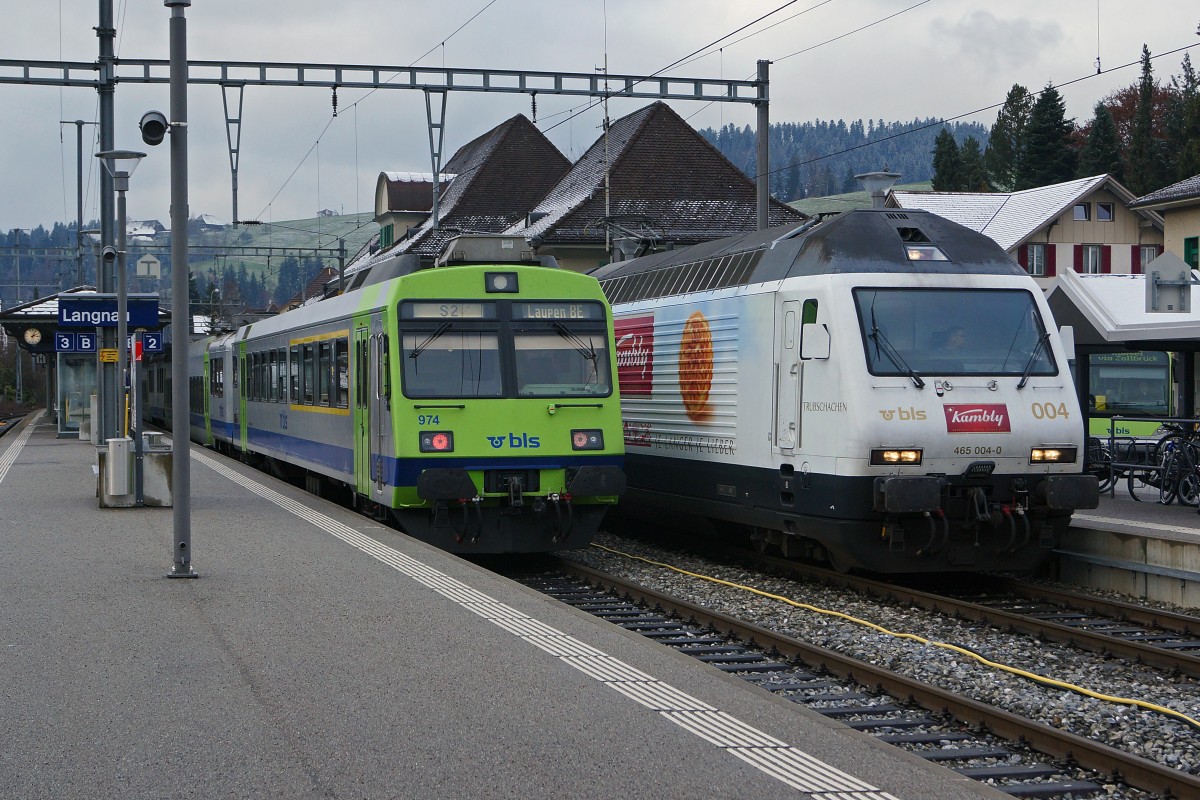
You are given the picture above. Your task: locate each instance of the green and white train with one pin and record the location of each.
(473, 405)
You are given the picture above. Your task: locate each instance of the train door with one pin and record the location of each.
(787, 377)
(363, 391)
(240, 390)
(207, 396)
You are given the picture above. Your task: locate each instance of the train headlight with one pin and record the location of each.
(881, 456)
(1053, 455)
(436, 442)
(501, 281)
(587, 440)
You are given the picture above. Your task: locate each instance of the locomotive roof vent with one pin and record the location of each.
(489, 249)
(877, 185)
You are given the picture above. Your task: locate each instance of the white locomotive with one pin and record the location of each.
(885, 390)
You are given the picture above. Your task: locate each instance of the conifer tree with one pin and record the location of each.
(1145, 165)
(1048, 156)
(1101, 153)
(974, 176)
(947, 164)
(1006, 142)
(1183, 128)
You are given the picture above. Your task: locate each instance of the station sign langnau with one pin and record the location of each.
(100, 311)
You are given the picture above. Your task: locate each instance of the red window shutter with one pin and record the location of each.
(1160, 249)
(1078, 258)
(1106, 259)
(1135, 259)
(1051, 267)
(1023, 256)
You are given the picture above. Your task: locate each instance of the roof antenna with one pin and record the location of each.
(1097, 37)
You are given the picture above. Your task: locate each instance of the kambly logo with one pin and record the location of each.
(635, 354)
(978, 418)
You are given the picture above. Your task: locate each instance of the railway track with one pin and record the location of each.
(1160, 639)
(800, 671)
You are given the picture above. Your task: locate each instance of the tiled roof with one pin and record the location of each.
(498, 179)
(1187, 189)
(663, 176)
(1009, 218)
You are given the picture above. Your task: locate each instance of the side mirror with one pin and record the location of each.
(814, 340)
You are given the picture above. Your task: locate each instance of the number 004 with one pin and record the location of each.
(1050, 411)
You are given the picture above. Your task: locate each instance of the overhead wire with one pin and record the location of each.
(329, 122)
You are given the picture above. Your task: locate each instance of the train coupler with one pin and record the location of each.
(564, 515)
(939, 533)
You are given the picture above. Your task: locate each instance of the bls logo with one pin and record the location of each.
(903, 414)
(515, 441)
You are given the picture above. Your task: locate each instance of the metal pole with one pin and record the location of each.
(764, 158)
(135, 394)
(107, 382)
(121, 181)
(79, 202)
(181, 465)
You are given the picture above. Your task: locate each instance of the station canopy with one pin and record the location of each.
(1111, 312)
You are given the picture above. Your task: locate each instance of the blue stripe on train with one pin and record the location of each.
(397, 471)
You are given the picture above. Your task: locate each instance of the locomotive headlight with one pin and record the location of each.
(587, 440)
(885, 457)
(501, 282)
(435, 442)
(1053, 455)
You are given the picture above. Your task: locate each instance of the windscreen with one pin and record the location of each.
(561, 364)
(450, 363)
(923, 332)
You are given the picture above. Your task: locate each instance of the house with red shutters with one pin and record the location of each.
(1085, 225)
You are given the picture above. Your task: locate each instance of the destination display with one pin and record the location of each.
(564, 311)
(448, 310)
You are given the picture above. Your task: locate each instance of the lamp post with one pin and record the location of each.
(120, 164)
(18, 377)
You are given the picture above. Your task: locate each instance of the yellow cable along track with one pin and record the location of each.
(1042, 679)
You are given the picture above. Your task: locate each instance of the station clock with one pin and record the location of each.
(33, 336)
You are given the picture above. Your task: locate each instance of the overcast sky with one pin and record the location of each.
(937, 58)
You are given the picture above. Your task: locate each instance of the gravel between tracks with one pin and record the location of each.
(1146, 733)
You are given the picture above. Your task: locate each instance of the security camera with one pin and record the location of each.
(154, 127)
(109, 254)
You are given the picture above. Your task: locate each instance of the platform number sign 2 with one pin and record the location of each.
(152, 341)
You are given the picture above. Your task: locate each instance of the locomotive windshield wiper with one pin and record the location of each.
(416, 351)
(1042, 341)
(585, 348)
(882, 343)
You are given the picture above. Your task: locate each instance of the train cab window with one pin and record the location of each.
(915, 332)
(558, 365)
(451, 363)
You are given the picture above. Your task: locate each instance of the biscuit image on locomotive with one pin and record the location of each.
(474, 405)
(885, 391)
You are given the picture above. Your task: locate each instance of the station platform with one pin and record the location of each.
(1140, 548)
(320, 654)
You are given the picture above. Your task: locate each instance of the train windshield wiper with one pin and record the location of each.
(1042, 341)
(416, 351)
(882, 344)
(584, 347)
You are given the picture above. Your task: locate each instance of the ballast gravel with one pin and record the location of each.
(1149, 734)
